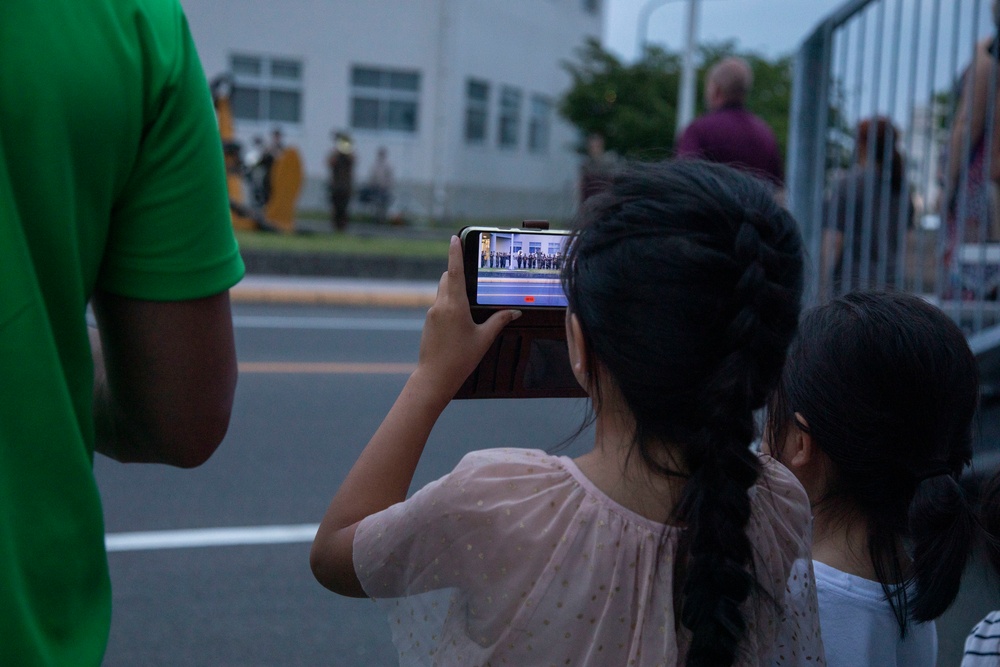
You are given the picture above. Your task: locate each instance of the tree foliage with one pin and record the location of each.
(635, 105)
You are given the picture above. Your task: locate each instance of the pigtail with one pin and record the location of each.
(943, 530)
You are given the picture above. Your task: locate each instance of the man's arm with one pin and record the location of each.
(164, 378)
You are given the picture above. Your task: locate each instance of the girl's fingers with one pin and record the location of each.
(456, 272)
(442, 286)
(492, 327)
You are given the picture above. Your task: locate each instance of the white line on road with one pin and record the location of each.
(210, 537)
(337, 323)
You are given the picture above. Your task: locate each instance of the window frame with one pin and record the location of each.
(266, 83)
(478, 107)
(539, 124)
(510, 100)
(388, 91)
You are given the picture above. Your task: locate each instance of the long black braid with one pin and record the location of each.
(687, 278)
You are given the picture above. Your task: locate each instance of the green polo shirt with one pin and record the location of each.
(111, 176)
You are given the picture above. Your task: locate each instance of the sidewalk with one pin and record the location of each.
(312, 290)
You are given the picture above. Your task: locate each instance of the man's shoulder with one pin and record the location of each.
(691, 140)
(762, 124)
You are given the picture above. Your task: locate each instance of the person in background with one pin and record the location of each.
(597, 168)
(870, 205)
(380, 183)
(277, 145)
(259, 161)
(729, 133)
(112, 193)
(873, 414)
(341, 165)
(972, 182)
(982, 646)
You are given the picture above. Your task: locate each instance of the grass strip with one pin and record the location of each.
(344, 244)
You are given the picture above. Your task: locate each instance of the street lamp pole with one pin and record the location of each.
(643, 24)
(685, 111)
(685, 107)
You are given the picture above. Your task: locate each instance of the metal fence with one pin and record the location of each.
(893, 140)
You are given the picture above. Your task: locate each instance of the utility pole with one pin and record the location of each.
(685, 107)
(643, 25)
(442, 73)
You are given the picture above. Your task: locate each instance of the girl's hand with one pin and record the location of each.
(452, 344)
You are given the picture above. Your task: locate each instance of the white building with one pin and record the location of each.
(462, 93)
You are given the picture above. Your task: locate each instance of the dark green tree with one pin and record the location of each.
(635, 105)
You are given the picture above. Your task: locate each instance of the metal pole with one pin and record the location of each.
(439, 189)
(686, 106)
(642, 30)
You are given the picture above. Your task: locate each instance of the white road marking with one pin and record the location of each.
(210, 537)
(331, 323)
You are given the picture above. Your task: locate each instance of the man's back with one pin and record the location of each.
(111, 181)
(734, 136)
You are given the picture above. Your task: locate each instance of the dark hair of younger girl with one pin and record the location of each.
(686, 278)
(888, 388)
(989, 516)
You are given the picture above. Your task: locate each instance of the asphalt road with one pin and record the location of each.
(314, 385)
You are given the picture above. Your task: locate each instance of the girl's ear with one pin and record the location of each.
(577, 350)
(807, 461)
(799, 451)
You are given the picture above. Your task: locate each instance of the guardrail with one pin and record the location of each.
(894, 115)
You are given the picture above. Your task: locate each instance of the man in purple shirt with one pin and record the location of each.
(729, 133)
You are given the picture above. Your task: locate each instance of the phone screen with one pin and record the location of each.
(516, 268)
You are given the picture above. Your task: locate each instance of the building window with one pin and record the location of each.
(510, 116)
(384, 99)
(266, 89)
(477, 104)
(538, 126)
(592, 6)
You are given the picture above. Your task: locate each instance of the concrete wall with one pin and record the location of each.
(519, 43)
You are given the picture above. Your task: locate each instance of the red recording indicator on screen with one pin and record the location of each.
(529, 299)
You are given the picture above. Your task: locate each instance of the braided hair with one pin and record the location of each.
(686, 278)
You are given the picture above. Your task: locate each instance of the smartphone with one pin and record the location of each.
(514, 268)
(519, 268)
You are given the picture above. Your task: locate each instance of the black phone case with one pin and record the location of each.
(529, 359)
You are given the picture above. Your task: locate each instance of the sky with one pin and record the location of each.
(771, 27)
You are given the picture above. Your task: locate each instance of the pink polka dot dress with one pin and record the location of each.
(516, 558)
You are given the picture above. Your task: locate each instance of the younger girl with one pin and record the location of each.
(669, 543)
(873, 415)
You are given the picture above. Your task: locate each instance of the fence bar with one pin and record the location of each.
(872, 59)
